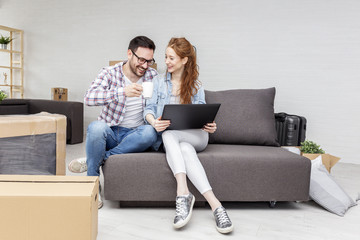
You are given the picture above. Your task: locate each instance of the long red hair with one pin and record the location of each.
(189, 79)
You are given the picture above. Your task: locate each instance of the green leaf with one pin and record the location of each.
(311, 147)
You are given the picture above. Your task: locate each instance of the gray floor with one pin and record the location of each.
(288, 220)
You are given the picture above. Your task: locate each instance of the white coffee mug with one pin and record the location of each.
(148, 88)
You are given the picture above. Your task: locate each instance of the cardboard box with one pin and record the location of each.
(48, 207)
(59, 94)
(33, 155)
(328, 160)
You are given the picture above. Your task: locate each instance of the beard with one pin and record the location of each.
(137, 70)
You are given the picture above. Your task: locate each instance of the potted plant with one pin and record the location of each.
(311, 147)
(312, 150)
(2, 95)
(4, 41)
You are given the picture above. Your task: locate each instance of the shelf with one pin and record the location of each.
(9, 29)
(17, 89)
(9, 51)
(14, 53)
(18, 68)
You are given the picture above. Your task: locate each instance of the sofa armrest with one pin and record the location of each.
(74, 112)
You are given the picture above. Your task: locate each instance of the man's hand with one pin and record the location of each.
(160, 125)
(133, 90)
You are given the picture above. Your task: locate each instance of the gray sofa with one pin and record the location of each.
(243, 160)
(74, 112)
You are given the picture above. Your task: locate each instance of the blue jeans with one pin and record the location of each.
(103, 141)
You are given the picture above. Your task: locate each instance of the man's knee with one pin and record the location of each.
(97, 128)
(148, 133)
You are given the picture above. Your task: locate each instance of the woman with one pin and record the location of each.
(180, 85)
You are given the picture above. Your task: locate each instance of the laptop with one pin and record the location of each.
(189, 116)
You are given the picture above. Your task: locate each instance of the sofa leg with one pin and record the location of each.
(272, 204)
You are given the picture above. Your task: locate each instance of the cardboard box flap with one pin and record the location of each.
(328, 160)
(49, 186)
(333, 159)
(43, 178)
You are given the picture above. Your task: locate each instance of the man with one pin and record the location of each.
(120, 127)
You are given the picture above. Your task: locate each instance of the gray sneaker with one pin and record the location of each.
(78, 165)
(184, 206)
(223, 223)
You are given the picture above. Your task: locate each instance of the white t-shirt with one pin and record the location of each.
(133, 116)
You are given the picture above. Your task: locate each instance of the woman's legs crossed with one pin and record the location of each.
(181, 147)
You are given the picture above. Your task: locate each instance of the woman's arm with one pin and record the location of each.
(151, 104)
(201, 96)
(151, 108)
(158, 124)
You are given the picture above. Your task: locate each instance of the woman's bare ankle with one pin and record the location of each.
(182, 193)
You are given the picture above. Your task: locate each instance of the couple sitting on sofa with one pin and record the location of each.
(121, 127)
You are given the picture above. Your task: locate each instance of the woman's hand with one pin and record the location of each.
(210, 127)
(160, 125)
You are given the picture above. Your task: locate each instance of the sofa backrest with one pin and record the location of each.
(246, 116)
(14, 106)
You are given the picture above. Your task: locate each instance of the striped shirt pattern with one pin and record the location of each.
(108, 90)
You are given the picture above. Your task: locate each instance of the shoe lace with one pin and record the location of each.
(180, 207)
(222, 217)
(83, 167)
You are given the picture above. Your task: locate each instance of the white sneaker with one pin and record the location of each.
(100, 202)
(78, 165)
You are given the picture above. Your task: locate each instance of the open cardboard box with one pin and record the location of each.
(327, 159)
(35, 207)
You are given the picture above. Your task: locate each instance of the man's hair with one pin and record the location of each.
(141, 41)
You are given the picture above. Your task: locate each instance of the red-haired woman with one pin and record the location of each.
(180, 85)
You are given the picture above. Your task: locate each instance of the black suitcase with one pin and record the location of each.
(291, 129)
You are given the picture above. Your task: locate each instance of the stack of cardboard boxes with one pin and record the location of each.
(46, 206)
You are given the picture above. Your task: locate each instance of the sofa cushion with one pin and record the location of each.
(246, 116)
(235, 172)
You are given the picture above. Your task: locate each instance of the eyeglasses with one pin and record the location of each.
(143, 60)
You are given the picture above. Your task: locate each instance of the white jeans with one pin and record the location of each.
(181, 147)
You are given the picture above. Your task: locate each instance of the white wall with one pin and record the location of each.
(308, 49)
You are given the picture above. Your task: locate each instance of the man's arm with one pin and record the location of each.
(104, 90)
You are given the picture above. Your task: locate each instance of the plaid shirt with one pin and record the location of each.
(108, 90)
